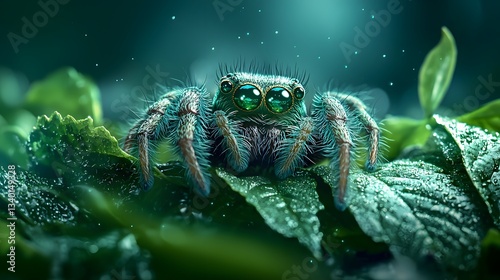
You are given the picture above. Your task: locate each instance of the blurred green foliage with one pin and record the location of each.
(65, 91)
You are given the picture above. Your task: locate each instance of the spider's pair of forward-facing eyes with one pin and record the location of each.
(248, 97)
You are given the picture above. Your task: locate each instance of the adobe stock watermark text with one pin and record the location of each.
(31, 26)
(11, 220)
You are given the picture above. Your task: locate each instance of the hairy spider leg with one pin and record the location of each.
(359, 108)
(131, 137)
(293, 150)
(331, 121)
(145, 132)
(180, 117)
(191, 136)
(237, 149)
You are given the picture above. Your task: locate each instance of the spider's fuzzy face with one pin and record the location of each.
(251, 94)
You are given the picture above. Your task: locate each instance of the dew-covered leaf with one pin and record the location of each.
(34, 199)
(416, 208)
(81, 133)
(116, 241)
(175, 246)
(289, 207)
(436, 73)
(80, 153)
(481, 156)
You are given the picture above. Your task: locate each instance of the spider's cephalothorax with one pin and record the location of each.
(254, 119)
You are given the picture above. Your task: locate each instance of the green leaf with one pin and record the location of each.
(289, 207)
(23, 119)
(37, 200)
(436, 73)
(214, 251)
(480, 152)
(486, 117)
(67, 92)
(14, 131)
(400, 133)
(81, 133)
(70, 227)
(416, 208)
(80, 153)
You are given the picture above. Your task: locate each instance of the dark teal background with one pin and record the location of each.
(114, 42)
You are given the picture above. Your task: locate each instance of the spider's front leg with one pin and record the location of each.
(180, 116)
(237, 151)
(294, 149)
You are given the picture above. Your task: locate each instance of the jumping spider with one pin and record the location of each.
(254, 119)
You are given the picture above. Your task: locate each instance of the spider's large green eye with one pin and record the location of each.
(278, 100)
(247, 97)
